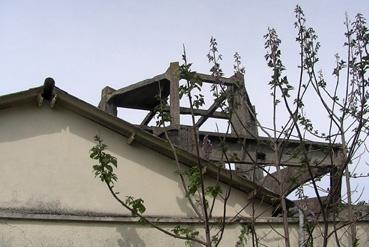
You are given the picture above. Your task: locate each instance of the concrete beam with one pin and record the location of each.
(292, 177)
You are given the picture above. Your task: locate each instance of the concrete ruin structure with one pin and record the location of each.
(250, 152)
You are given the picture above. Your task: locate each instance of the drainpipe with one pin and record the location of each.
(301, 228)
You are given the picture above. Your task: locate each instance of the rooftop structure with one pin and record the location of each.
(250, 152)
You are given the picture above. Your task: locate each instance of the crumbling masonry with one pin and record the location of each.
(249, 152)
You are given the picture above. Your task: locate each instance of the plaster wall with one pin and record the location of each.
(55, 234)
(27, 233)
(45, 167)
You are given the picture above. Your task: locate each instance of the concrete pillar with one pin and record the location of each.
(173, 75)
(104, 104)
(243, 122)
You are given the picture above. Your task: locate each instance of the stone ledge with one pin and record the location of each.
(13, 215)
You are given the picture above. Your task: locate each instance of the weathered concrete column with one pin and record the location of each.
(104, 104)
(243, 123)
(173, 75)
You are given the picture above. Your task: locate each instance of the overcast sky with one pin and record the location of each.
(86, 45)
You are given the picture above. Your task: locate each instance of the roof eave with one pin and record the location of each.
(141, 136)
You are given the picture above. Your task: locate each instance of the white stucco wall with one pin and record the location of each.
(29, 233)
(46, 166)
(58, 234)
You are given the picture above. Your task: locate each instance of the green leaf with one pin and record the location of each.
(213, 191)
(137, 205)
(193, 176)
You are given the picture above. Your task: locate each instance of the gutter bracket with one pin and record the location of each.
(131, 138)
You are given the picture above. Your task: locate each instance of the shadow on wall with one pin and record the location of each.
(26, 121)
(57, 127)
(23, 122)
(182, 203)
(129, 237)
